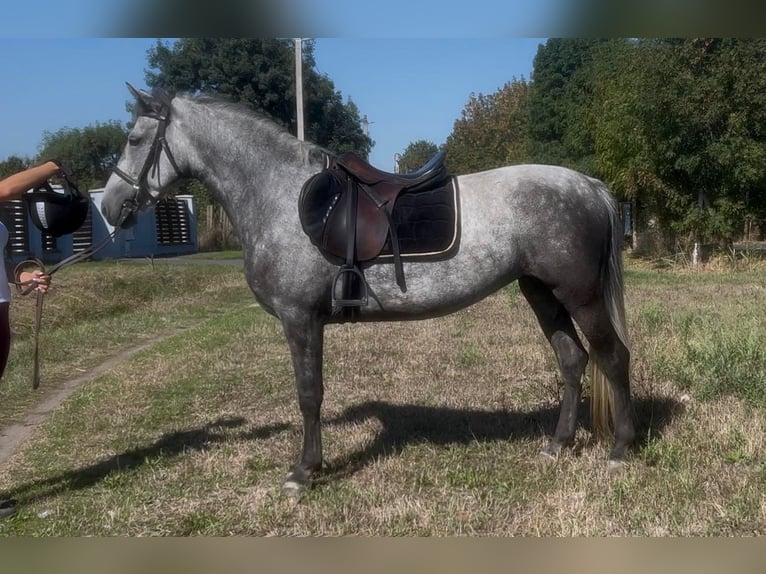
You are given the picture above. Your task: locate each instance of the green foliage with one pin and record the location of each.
(560, 103)
(677, 125)
(620, 147)
(709, 145)
(492, 130)
(737, 449)
(720, 222)
(260, 72)
(416, 155)
(88, 152)
(13, 164)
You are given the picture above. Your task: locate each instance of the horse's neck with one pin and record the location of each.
(247, 167)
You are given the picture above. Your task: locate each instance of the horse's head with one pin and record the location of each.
(147, 165)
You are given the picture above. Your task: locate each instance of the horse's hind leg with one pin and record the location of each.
(613, 358)
(305, 338)
(570, 354)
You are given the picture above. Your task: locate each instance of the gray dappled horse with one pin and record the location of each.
(554, 230)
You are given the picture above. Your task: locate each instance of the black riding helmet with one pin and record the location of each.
(57, 212)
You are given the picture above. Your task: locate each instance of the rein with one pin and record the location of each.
(26, 287)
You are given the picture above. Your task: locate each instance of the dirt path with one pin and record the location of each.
(12, 436)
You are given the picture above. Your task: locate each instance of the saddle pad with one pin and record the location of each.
(427, 224)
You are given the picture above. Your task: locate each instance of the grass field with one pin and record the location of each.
(431, 428)
(217, 255)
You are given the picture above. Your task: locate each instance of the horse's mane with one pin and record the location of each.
(279, 132)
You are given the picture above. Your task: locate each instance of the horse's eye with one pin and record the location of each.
(134, 139)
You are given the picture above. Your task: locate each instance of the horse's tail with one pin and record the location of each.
(602, 401)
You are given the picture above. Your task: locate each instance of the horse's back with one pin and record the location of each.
(557, 219)
(538, 194)
(531, 178)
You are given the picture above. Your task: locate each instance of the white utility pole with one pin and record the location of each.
(299, 85)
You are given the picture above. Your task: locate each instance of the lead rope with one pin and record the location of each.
(26, 287)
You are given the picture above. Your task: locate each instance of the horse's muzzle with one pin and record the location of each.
(125, 219)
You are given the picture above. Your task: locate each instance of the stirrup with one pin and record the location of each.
(358, 302)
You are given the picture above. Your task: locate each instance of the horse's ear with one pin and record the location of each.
(162, 96)
(144, 99)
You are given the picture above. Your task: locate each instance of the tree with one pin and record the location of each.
(417, 154)
(13, 164)
(260, 72)
(621, 73)
(492, 130)
(88, 152)
(560, 112)
(682, 127)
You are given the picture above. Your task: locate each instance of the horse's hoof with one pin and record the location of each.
(616, 468)
(293, 490)
(544, 459)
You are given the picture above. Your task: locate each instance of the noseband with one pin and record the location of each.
(140, 188)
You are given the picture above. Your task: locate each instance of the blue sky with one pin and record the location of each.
(409, 89)
(72, 82)
(413, 89)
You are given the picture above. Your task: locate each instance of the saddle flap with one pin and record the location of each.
(371, 229)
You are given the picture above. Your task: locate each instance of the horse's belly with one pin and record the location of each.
(437, 288)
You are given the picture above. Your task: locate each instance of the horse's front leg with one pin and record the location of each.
(305, 338)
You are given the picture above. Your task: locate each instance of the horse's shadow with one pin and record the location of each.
(168, 446)
(402, 425)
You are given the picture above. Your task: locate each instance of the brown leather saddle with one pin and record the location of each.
(347, 209)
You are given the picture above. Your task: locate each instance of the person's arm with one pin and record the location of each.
(12, 187)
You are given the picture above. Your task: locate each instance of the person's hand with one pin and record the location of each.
(40, 279)
(65, 173)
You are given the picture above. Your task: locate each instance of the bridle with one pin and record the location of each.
(152, 162)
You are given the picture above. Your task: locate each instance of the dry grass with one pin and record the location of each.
(431, 428)
(96, 309)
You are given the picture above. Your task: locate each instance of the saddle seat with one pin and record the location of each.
(370, 175)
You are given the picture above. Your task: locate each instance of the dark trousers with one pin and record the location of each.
(5, 335)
